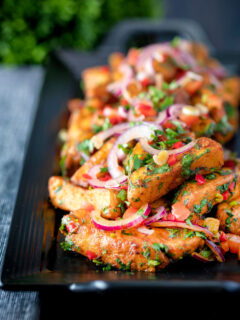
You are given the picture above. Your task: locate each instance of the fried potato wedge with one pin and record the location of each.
(148, 185)
(66, 196)
(130, 249)
(200, 199)
(98, 157)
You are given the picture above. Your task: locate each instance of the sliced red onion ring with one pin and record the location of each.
(136, 132)
(183, 149)
(145, 230)
(201, 258)
(99, 138)
(162, 117)
(160, 212)
(111, 225)
(174, 110)
(215, 250)
(153, 151)
(181, 224)
(109, 184)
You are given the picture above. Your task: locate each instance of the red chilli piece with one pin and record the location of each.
(200, 180)
(87, 176)
(226, 195)
(71, 227)
(91, 255)
(172, 159)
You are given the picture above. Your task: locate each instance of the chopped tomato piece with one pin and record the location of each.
(231, 186)
(87, 176)
(172, 159)
(177, 145)
(91, 255)
(146, 109)
(200, 180)
(226, 195)
(129, 212)
(233, 242)
(180, 212)
(145, 82)
(168, 125)
(113, 115)
(71, 227)
(223, 237)
(189, 119)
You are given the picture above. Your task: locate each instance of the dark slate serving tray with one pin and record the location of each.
(33, 256)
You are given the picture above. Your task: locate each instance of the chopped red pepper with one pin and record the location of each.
(177, 145)
(226, 195)
(172, 159)
(146, 109)
(91, 255)
(231, 186)
(87, 176)
(200, 180)
(223, 237)
(71, 227)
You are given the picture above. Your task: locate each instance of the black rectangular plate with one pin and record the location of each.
(34, 258)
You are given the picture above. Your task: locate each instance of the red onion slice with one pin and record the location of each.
(201, 258)
(153, 151)
(215, 250)
(160, 212)
(99, 138)
(174, 110)
(136, 132)
(162, 117)
(181, 224)
(111, 225)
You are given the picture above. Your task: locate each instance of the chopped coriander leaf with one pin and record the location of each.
(104, 169)
(166, 103)
(223, 126)
(62, 164)
(137, 162)
(66, 245)
(160, 247)
(122, 195)
(85, 146)
(175, 41)
(186, 164)
(96, 128)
